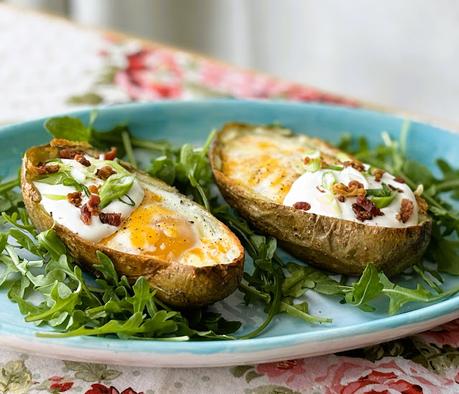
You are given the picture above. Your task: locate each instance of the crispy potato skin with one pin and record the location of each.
(177, 284)
(332, 244)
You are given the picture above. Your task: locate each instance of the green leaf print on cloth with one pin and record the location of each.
(15, 378)
(92, 372)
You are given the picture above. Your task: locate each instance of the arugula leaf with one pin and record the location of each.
(303, 278)
(399, 296)
(366, 289)
(188, 169)
(300, 310)
(446, 253)
(68, 128)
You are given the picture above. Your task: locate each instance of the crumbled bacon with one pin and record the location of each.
(82, 160)
(49, 168)
(74, 198)
(406, 210)
(303, 205)
(377, 173)
(113, 219)
(93, 189)
(399, 179)
(93, 204)
(364, 209)
(105, 172)
(341, 198)
(91, 208)
(111, 154)
(357, 165)
(354, 189)
(422, 205)
(69, 153)
(85, 214)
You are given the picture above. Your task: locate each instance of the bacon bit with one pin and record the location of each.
(68, 153)
(357, 165)
(50, 168)
(85, 214)
(74, 198)
(341, 198)
(377, 173)
(364, 209)
(304, 206)
(105, 172)
(406, 210)
(82, 160)
(399, 179)
(113, 219)
(354, 189)
(111, 154)
(422, 205)
(395, 189)
(93, 204)
(93, 189)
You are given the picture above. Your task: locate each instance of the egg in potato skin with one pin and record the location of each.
(255, 167)
(190, 257)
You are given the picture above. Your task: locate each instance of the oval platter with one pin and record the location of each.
(286, 338)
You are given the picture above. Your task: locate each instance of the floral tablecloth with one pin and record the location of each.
(50, 66)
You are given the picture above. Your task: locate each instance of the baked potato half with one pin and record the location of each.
(321, 204)
(147, 229)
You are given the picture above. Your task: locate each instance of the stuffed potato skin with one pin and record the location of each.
(177, 284)
(329, 243)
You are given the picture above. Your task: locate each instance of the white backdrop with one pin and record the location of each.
(398, 53)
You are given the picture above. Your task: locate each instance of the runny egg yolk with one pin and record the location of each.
(158, 231)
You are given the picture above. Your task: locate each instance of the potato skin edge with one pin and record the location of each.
(331, 244)
(179, 285)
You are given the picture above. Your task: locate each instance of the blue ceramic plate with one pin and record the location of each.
(286, 338)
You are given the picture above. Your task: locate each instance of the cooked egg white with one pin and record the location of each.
(168, 227)
(272, 166)
(312, 187)
(160, 223)
(54, 201)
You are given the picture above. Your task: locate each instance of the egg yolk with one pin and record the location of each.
(158, 231)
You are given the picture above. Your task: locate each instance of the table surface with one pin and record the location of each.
(50, 65)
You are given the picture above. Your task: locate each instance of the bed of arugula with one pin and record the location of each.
(50, 289)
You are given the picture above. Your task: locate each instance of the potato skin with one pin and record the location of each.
(335, 245)
(177, 284)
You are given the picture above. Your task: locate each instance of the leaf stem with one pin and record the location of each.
(273, 310)
(128, 147)
(8, 185)
(146, 144)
